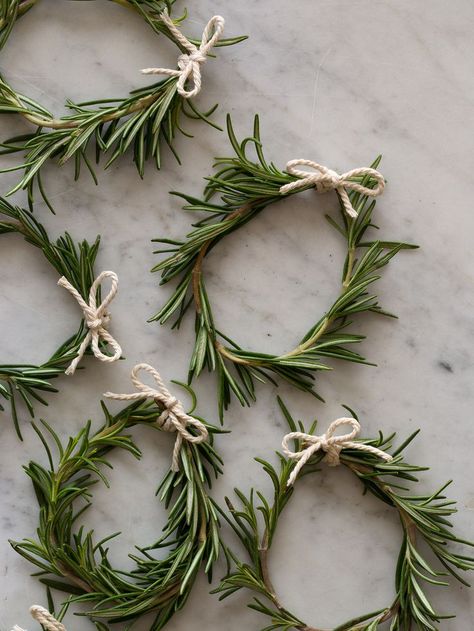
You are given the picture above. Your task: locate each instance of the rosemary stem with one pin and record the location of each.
(327, 321)
(197, 268)
(312, 340)
(202, 536)
(421, 517)
(301, 348)
(350, 266)
(73, 578)
(228, 354)
(408, 525)
(16, 227)
(25, 6)
(263, 558)
(197, 274)
(164, 596)
(64, 568)
(271, 592)
(57, 123)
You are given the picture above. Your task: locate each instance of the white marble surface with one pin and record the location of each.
(337, 81)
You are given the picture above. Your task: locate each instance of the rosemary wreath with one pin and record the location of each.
(422, 517)
(71, 561)
(73, 261)
(144, 120)
(245, 188)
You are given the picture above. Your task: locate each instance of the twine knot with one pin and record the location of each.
(45, 618)
(173, 418)
(325, 179)
(329, 443)
(97, 319)
(194, 57)
(99, 322)
(189, 63)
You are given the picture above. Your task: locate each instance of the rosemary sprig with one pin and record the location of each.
(71, 561)
(143, 121)
(422, 517)
(245, 188)
(75, 261)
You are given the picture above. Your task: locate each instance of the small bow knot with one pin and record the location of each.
(189, 63)
(172, 403)
(327, 181)
(195, 57)
(173, 418)
(45, 618)
(329, 443)
(324, 180)
(97, 319)
(98, 322)
(165, 419)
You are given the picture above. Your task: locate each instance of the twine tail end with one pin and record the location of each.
(70, 371)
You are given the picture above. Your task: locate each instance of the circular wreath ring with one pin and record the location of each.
(245, 189)
(73, 261)
(71, 561)
(422, 517)
(144, 120)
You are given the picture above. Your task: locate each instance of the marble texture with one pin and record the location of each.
(335, 81)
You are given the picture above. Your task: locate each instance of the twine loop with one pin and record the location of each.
(325, 179)
(329, 443)
(189, 63)
(97, 319)
(173, 418)
(45, 618)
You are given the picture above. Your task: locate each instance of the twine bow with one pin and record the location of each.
(46, 619)
(97, 319)
(173, 418)
(332, 445)
(324, 180)
(189, 63)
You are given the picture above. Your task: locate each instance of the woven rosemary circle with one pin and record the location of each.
(71, 561)
(145, 120)
(75, 261)
(245, 188)
(426, 532)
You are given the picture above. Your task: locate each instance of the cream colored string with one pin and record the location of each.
(173, 418)
(324, 180)
(46, 619)
(332, 445)
(97, 319)
(189, 63)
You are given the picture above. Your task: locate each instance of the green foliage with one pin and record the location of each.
(245, 188)
(12, 10)
(143, 122)
(76, 262)
(68, 558)
(423, 518)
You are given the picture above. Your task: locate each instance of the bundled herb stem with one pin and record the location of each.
(68, 558)
(75, 261)
(424, 518)
(244, 188)
(143, 122)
